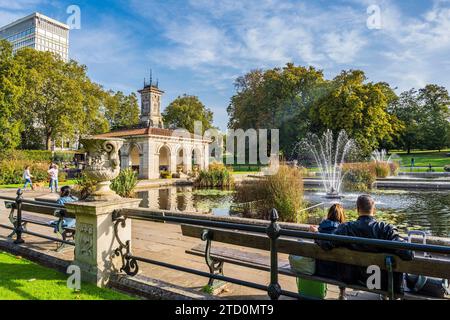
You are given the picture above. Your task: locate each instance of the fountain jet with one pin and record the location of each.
(329, 156)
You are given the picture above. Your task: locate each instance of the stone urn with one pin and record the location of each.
(103, 165)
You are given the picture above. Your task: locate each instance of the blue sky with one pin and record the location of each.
(200, 46)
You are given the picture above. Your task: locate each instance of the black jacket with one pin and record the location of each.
(368, 227)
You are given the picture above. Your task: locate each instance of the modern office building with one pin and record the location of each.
(39, 32)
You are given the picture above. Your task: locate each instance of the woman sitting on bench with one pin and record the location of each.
(328, 269)
(65, 196)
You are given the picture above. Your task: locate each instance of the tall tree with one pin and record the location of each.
(60, 101)
(408, 110)
(184, 111)
(358, 107)
(11, 89)
(121, 110)
(278, 98)
(436, 128)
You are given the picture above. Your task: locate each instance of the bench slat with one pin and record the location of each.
(433, 267)
(261, 262)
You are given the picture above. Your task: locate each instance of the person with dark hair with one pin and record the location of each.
(65, 196)
(366, 226)
(335, 216)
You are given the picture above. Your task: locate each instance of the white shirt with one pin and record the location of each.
(53, 173)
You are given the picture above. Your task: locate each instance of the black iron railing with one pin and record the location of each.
(18, 222)
(273, 232)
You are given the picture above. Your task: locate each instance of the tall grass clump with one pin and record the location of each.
(382, 169)
(359, 176)
(218, 176)
(125, 183)
(282, 191)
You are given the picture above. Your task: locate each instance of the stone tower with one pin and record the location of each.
(151, 105)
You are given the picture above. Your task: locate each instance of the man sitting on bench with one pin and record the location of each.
(366, 226)
(65, 197)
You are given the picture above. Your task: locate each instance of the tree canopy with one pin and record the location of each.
(184, 111)
(42, 96)
(12, 88)
(297, 100)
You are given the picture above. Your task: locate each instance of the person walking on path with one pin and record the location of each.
(27, 177)
(53, 172)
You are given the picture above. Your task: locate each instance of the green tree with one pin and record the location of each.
(358, 107)
(184, 111)
(407, 109)
(11, 89)
(60, 100)
(121, 110)
(278, 98)
(435, 102)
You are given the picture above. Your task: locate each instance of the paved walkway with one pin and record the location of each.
(164, 242)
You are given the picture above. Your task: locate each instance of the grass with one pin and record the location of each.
(69, 182)
(24, 280)
(425, 158)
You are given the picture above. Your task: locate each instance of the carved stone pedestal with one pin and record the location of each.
(94, 238)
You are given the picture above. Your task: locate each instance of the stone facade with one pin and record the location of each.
(150, 149)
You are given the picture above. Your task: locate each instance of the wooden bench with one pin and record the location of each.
(65, 233)
(434, 267)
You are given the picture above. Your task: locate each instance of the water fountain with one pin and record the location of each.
(382, 156)
(329, 156)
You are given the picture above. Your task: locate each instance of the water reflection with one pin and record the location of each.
(186, 199)
(428, 209)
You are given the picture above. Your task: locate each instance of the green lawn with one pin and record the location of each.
(69, 182)
(424, 158)
(21, 279)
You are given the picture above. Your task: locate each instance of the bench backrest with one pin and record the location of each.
(434, 267)
(46, 209)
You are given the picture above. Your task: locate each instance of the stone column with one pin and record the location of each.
(95, 240)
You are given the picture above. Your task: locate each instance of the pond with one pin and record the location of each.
(417, 209)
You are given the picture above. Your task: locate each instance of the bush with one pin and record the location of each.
(218, 176)
(282, 191)
(84, 187)
(11, 171)
(165, 175)
(125, 183)
(382, 169)
(358, 176)
(394, 168)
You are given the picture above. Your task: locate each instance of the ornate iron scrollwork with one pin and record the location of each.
(215, 266)
(129, 264)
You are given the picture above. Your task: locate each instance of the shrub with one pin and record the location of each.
(218, 176)
(84, 187)
(394, 168)
(358, 176)
(165, 175)
(382, 169)
(447, 168)
(282, 191)
(125, 183)
(11, 171)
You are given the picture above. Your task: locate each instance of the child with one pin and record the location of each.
(53, 172)
(27, 176)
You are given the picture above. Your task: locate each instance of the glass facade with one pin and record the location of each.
(38, 32)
